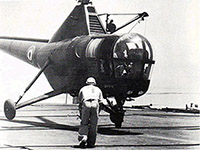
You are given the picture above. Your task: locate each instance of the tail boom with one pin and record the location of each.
(22, 48)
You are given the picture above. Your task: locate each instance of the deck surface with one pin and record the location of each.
(49, 126)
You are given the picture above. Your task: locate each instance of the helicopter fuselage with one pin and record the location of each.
(120, 63)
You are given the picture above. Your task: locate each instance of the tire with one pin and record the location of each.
(118, 124)
(9, 109)
(117, 119)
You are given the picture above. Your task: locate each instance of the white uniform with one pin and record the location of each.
(89, 98)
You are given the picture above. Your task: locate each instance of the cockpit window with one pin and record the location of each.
(130, 48)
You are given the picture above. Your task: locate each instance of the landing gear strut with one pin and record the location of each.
(10, 106)
(117, 117)
(116, 111)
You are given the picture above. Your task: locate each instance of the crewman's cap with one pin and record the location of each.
(91, 80)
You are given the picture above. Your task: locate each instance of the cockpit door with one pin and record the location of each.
(106, 66)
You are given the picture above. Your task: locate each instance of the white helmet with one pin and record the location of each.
(91, 80)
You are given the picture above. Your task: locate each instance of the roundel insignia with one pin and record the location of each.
(30, 52)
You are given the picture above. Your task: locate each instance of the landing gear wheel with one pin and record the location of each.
(117, 118)
(118, 124)
(9, 109)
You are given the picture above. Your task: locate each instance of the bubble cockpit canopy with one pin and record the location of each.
(132, 46)
(132, 56)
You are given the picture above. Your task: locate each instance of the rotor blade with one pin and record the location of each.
(25, 39)
(118, 14)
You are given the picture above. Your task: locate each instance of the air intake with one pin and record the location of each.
(95, 25)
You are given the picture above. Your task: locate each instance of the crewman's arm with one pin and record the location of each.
(100, 96)
(100, 101)
(80, 97)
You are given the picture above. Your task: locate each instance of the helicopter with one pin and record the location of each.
(82, 47)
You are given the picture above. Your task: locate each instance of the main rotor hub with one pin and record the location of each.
(85, 2)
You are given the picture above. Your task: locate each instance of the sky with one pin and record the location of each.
(173, 29)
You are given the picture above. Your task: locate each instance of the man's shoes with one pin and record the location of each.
(83, 142)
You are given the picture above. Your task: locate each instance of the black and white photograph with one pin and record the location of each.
(99, 74)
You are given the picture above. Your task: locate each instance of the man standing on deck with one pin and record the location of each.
(89, 98)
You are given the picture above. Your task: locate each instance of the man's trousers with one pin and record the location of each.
(89, 120)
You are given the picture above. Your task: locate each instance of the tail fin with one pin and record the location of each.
(83, 20)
